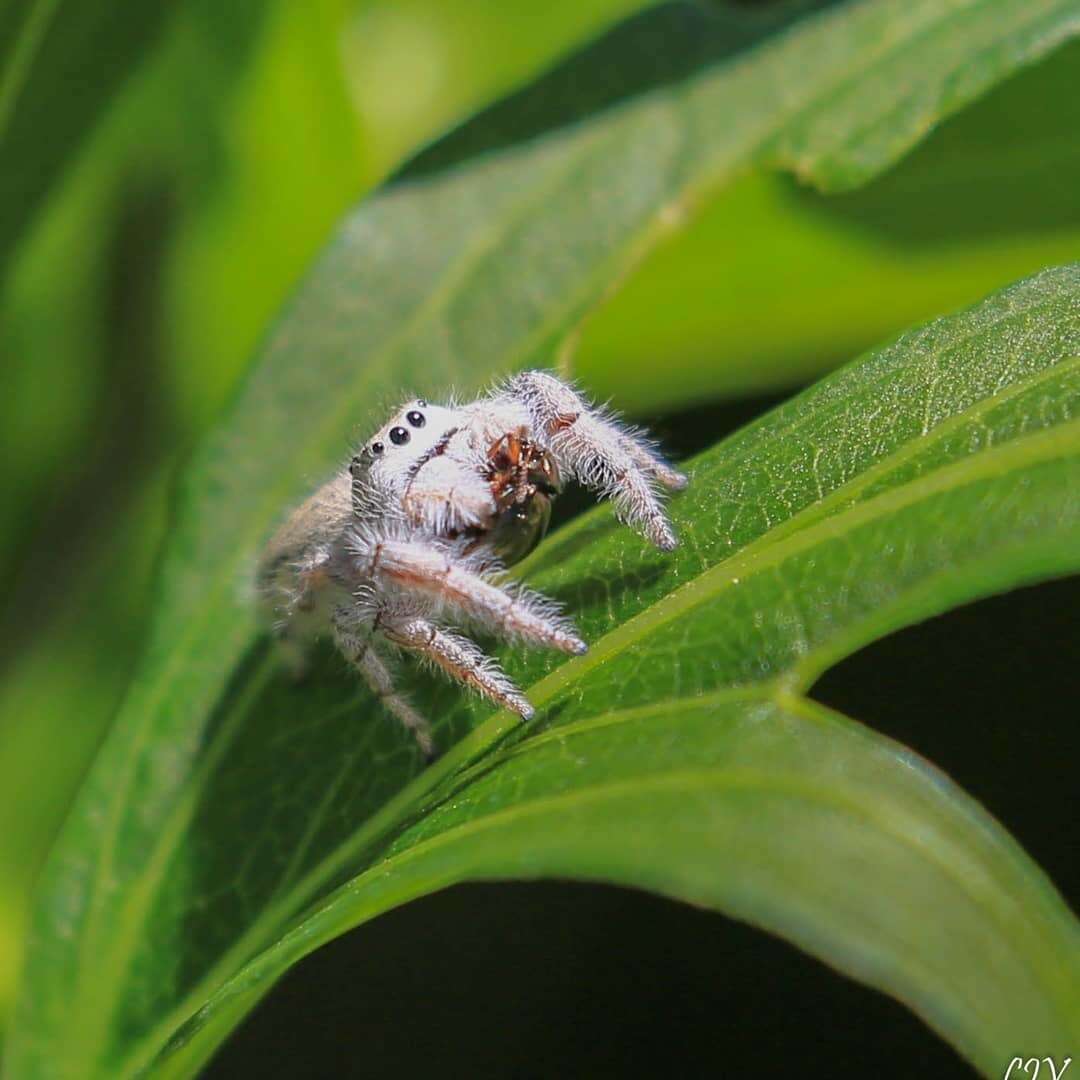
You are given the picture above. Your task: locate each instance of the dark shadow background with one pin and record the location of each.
(571, 980)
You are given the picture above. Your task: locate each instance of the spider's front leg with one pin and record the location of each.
(600, 453)
(415, 566)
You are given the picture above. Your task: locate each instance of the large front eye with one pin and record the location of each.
(415, 418)
(399, 436)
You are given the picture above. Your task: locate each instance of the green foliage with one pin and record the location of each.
(681, 753)
(60, 63)
(775, 283)
(128, 314)
(233, 822)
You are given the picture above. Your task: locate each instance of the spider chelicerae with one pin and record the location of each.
(416, 533)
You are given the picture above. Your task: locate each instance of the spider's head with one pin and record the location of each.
(409, 437)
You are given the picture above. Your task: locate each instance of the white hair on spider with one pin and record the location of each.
(416, 532)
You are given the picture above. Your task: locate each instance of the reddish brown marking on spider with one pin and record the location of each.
(561, 422)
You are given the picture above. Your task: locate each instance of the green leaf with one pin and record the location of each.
(193, 852)
(807, 280)
(682, 755)
(60, 64)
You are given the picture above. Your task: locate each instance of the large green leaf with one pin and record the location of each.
(192, 850)
(682, 754)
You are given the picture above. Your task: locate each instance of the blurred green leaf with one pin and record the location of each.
(191, 125)
(145, 908)
(777, 283)
(91, 422)
(60, 64)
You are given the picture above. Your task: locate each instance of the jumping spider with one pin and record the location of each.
(419, 527)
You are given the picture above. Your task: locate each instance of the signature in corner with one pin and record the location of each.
(1030, 1068)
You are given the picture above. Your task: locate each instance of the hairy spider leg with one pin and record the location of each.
(600, 453)
(417, 567)
(459, 657)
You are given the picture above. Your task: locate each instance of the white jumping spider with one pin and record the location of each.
(419, 527)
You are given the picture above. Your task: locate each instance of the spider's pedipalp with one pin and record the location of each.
(443, 495)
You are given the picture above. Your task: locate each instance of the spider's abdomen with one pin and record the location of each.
(524, 480)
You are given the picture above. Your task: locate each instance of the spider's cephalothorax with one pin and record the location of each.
(414, 533)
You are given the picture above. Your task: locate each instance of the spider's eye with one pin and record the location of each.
(415, 418)
(377, 448)
(399, 436)
(421, 402)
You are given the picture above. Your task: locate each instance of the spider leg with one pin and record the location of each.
(416, 567)
(359, 650)
(460, 658)
(646, 458)
(600, 453)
